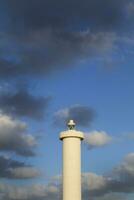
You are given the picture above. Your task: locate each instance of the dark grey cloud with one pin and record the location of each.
(7, 163)
(45, 36)
(23, 104)
(14, 137)
(41, 52)
(34, 14)
(82, 115)
(13, 169)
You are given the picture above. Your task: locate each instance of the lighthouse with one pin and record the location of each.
(71, 172)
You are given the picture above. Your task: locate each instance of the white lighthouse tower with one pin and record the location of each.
(71, 162)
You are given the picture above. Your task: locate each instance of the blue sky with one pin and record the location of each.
(58, 61)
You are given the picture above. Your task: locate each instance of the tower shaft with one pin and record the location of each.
(71, 169)
(71, 174)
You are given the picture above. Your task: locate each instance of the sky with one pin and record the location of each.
(62, 60)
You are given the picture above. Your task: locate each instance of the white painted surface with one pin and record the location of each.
(71, 164)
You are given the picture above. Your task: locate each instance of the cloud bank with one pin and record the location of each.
(97, 187)
(37, 15)
(42, 37)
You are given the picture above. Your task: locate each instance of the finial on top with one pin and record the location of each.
(71, 124)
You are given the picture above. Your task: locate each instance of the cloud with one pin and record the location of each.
(13, 169)
(82, 115)
(130, 9)
(23, 172)
(94, 185)
(23, 104)
(14, 137)
(97, 139)
(121, 180)
(111, 196)
(37, 191)
(50, 191)
(59, 14)
(119, 183)
(44, 37)
(126, 169)
(97, 187)
(129, 136)
(43, 52)
(93, 181)
(6, 163)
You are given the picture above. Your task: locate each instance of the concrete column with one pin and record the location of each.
(71, 163)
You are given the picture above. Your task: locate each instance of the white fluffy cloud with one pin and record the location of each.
(92, 181)
(97, 139)
(37, 191)
(112, 196)
(23, 172)
(14, 136)
(126, 169)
